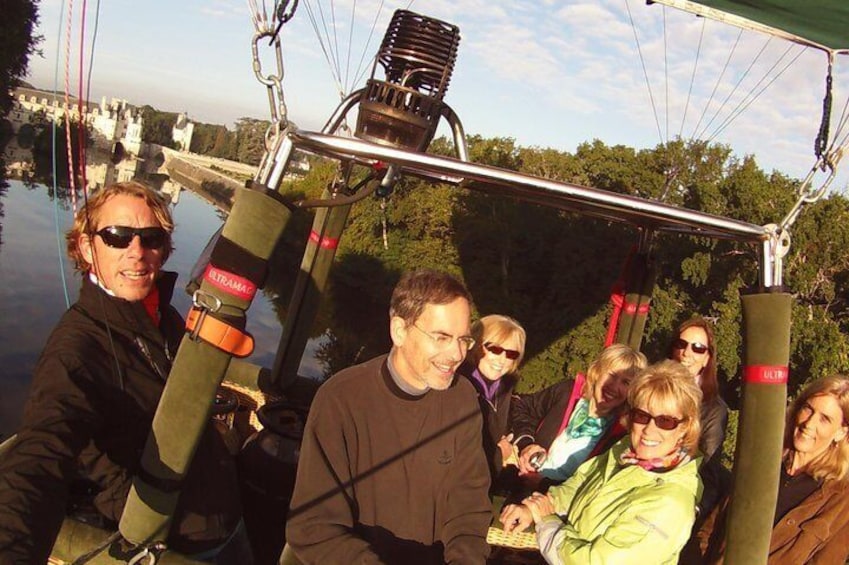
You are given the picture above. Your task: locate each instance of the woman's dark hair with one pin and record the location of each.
(709, 383)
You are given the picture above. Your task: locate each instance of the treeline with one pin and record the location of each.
(554, 270)
(246, 143)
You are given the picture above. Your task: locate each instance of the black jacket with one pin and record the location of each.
(93, 396)
(496, 416)
(537, 416)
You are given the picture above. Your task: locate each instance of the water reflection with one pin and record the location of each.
(35, 276)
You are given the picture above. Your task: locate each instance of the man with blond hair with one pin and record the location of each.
(96, 388)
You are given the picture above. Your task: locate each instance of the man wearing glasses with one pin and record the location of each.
(391, 468)
(96, 388)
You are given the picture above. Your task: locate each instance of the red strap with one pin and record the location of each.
(219, 334)
(617, 298)
(577, 392)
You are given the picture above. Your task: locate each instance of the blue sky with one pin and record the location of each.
(546, 73)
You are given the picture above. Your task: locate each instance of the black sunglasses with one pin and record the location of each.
(511, 354)
(120, 237)
(663, 422)
(698, 348)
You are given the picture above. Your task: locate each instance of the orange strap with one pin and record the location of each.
(219, 334)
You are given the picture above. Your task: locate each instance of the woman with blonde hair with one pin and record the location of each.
(492, 367)
(636, 502)
(560, 427)
(811, 523)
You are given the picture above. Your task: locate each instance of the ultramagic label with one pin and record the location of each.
(239, 287)
(766, 374)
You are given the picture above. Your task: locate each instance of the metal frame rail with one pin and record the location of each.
(641, 212)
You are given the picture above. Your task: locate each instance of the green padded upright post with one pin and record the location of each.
(310, 285)
(78, 538)
(639, 287)
(254, 225)
(766, 339)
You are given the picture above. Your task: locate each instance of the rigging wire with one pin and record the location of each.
(93, 45)
(82, 103)
(327, 57)
(839, 131)
(59, 238)
(718, 82)
(362, 68)
(334, 27)
(666, 74)
(752, 96)
(350, 39)
(325, 25)
(736, 86)
(692, 78)
(67, 109)
(645, 72)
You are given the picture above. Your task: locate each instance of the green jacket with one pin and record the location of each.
(607, 513)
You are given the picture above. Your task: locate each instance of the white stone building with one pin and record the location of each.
(182, 132)
(110, 124)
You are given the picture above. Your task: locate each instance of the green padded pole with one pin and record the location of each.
(766, 339)
(310, 285)
(255, 224)
(638, 292)
(77, 538)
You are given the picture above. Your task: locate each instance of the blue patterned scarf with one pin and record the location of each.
(581, 424)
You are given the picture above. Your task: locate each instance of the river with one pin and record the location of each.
(35, 276)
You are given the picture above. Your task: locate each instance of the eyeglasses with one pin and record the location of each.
(444, 341)
(120, 237)
(663, 422)
(698, 348)
(511, 354)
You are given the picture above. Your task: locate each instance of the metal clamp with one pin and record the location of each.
(205, 303)
(151, 553)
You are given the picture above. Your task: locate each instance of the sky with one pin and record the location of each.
(547, 73)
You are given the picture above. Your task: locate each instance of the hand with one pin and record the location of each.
(525, 466)
(505, 444)
(540, 506)
(516, 517)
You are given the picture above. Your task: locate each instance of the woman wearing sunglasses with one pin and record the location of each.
(695, 348)
(491, 366)
(636, 502)
(96, 388)
(811, 523)
(560, 427)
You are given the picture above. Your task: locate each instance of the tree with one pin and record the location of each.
(204, 137)
(17, 43)
(157, 127)
(43, 153)
(250, 134)
(553, 270)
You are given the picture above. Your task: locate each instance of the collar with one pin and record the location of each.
(488, 388)
(93, 278)
(120, 314)
(398, 380)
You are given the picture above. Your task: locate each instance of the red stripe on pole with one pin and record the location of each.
(766, 374)
(632, 308)
(324, 242)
